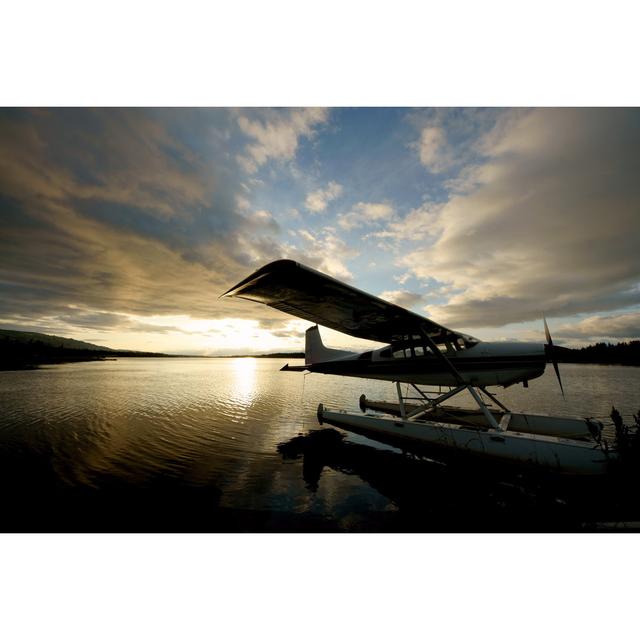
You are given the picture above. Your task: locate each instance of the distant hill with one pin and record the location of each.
(28, 350)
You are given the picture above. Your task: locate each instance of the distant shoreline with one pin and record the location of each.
(29, 363)
(21, 350)
(264, 355)
(34, 365)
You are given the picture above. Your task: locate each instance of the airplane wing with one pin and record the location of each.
(308, 294)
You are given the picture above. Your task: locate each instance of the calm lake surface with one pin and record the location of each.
(188, 444)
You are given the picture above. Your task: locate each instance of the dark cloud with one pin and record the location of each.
(598, 328)
(290, 335)
(123, 211)
(94, 319)
(550, 221)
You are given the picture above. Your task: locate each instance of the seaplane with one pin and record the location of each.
(434, 364)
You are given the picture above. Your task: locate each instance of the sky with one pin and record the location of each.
(123, 227)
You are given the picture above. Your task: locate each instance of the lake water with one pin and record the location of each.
(188, 444)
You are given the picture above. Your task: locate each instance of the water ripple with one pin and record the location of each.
(206, 423)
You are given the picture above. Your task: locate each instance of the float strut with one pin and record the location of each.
(487, 414)
(403, 413)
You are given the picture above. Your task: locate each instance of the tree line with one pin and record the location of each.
(603, 353)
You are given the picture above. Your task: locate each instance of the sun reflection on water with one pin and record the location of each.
(244, 380)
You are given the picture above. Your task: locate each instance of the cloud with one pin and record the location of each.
(602, 328)
(276, 136)
(552, 223)
(433, 149)
(403, 298)
(324, 251)
(112, 210)
(365, 214)
(110, 217)
(242, 203)
(420, 223)
(74, 318)
(317, 201)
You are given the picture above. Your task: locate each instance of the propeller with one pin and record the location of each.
(551, 355)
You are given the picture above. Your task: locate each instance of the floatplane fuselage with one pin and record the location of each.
(409, 359)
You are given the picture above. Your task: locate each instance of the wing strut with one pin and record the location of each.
(438, 354)
(462, 384)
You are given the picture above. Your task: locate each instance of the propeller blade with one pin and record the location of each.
(551, 354)
(546, 332)
(555, 367)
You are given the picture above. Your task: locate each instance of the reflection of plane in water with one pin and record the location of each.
(458, 495)
(420, 351)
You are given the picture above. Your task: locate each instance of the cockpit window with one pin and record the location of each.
(414, 346)
(407, 346)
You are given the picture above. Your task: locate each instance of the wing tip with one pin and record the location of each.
(270, 267)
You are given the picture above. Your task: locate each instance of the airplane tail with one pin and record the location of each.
(315, 351)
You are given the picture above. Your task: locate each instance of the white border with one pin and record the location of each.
(317, 586)
(286, 52)
(329, 53)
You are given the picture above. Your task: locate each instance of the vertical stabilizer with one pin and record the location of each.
(315, 351)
